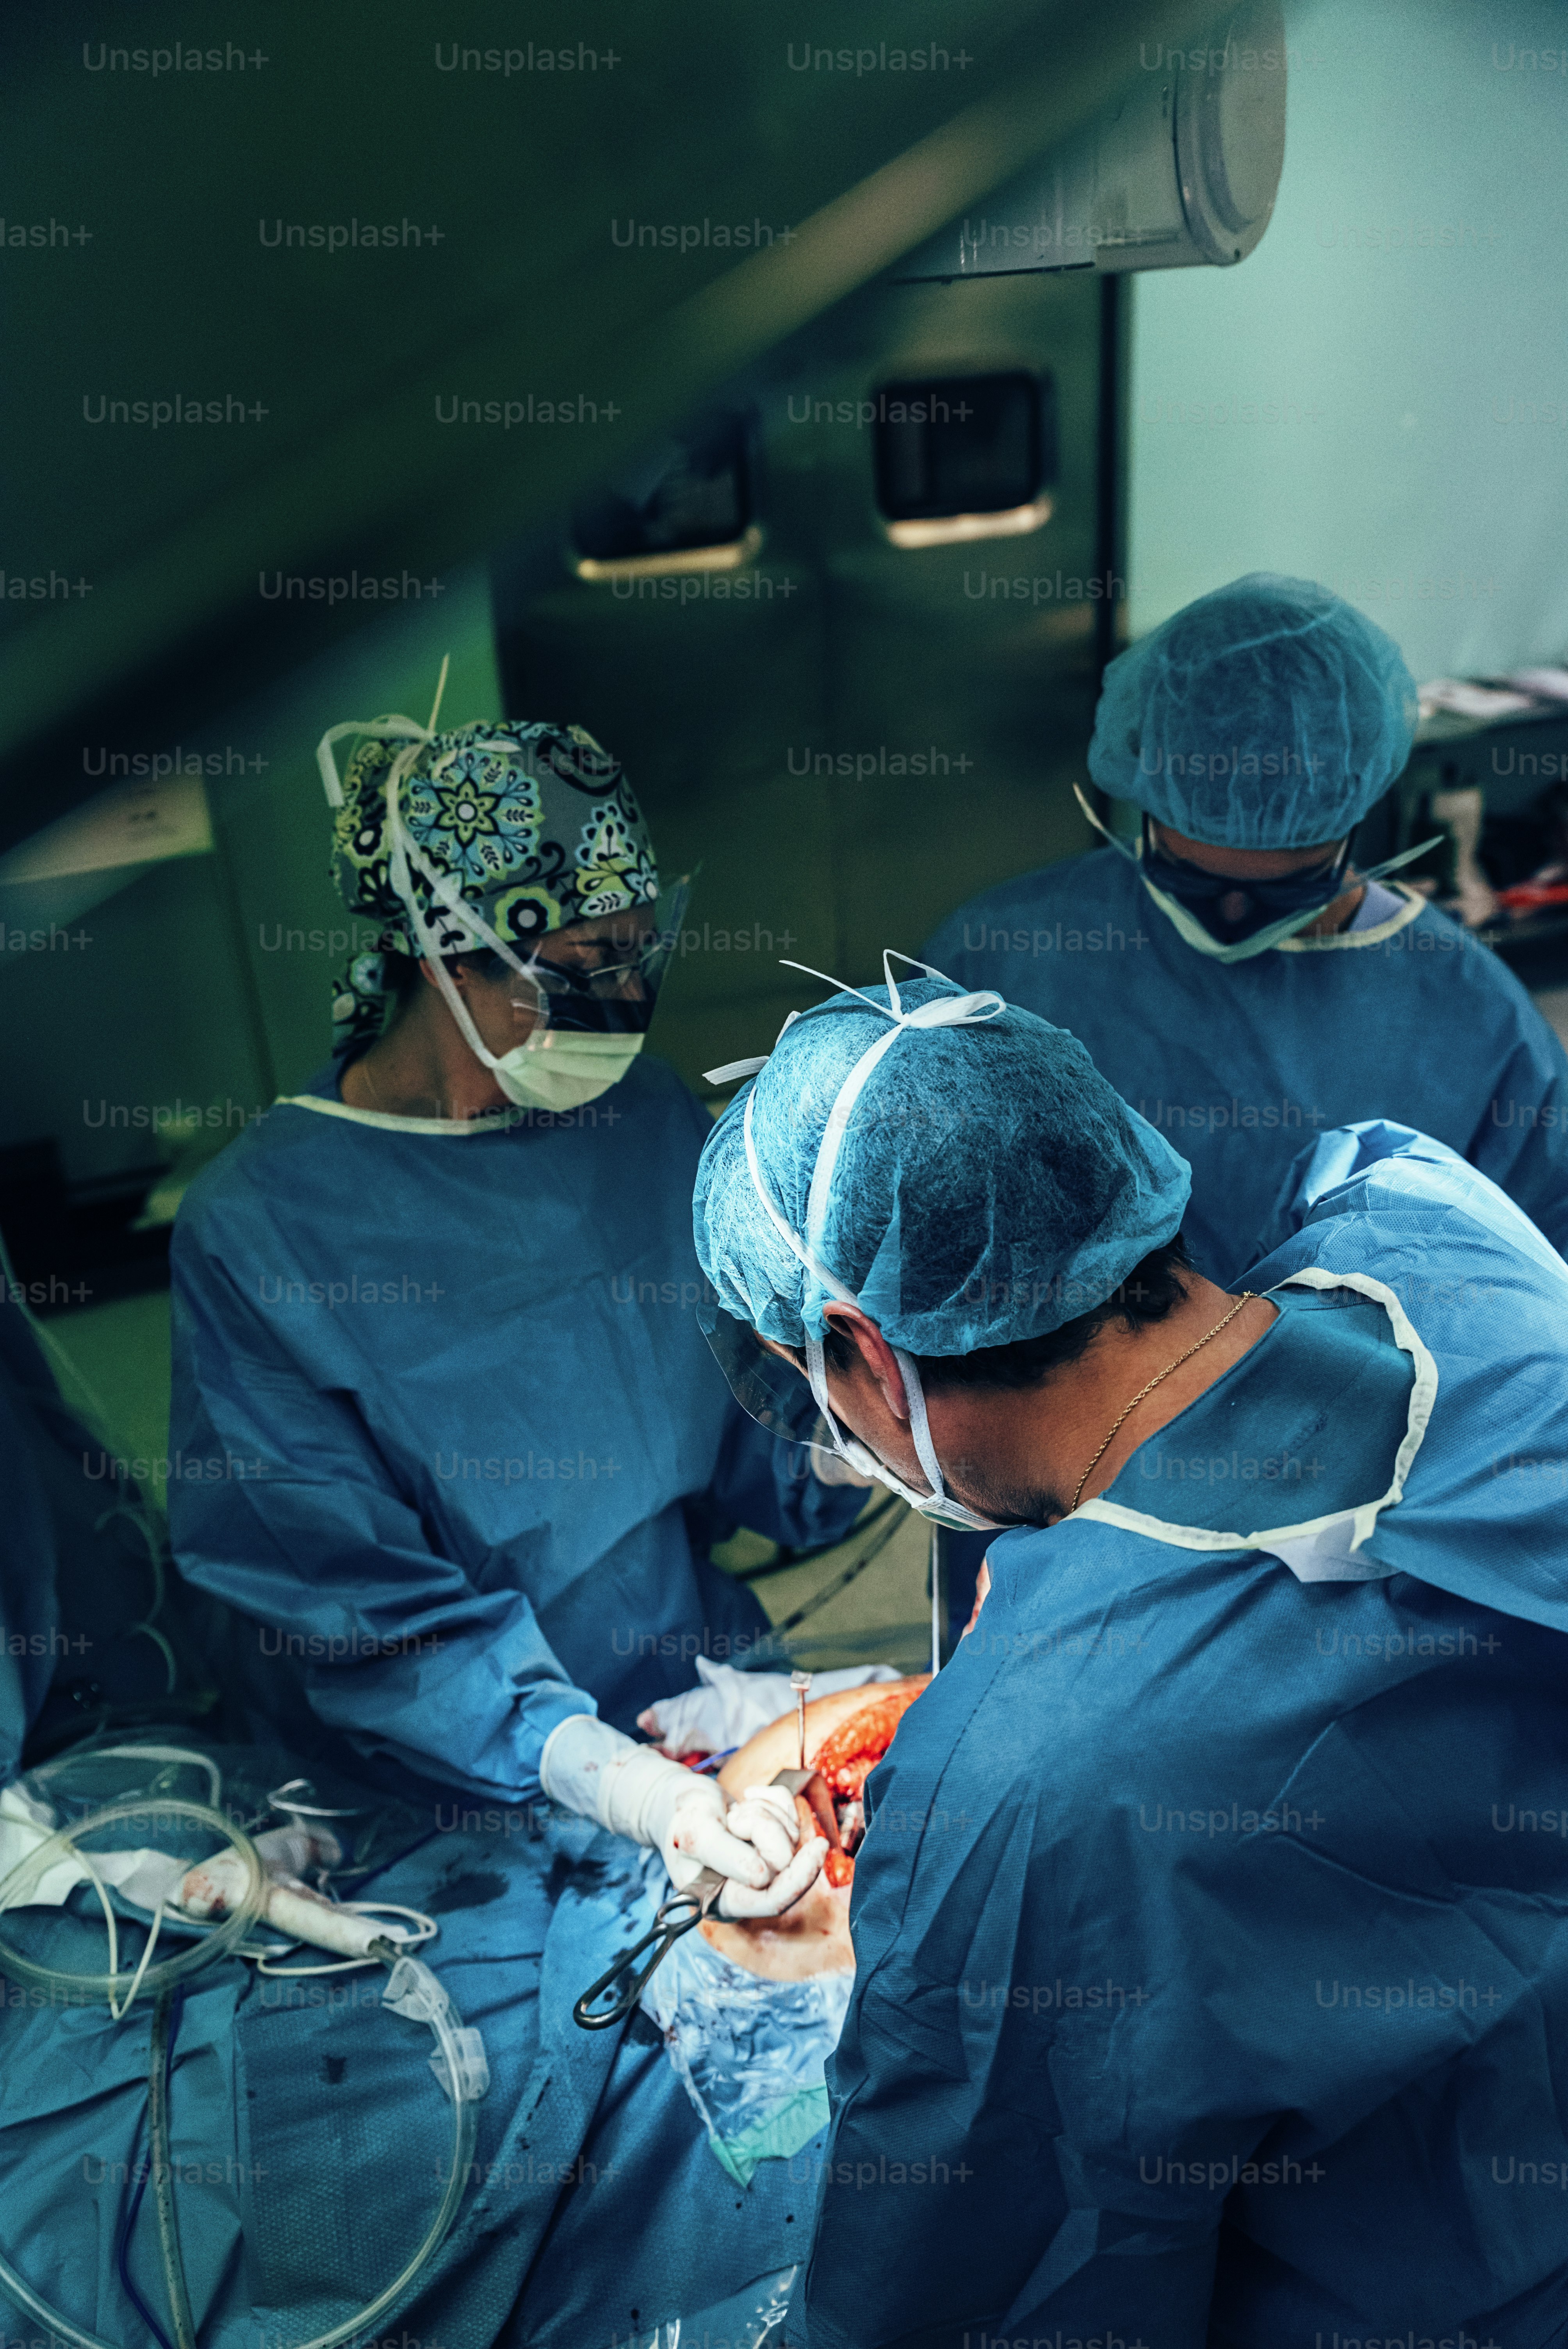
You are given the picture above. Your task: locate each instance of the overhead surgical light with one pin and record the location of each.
(1183, 170)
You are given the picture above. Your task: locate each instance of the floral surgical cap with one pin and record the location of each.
(535, 823)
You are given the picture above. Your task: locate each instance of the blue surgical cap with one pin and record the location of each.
(1270, 714)
(989, 1187)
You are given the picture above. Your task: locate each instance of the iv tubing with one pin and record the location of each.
(24, 1878)
(159, 1979)
(158, 2068)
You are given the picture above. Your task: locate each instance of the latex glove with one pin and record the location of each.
(755, 1842)
(589, 1767)
(732, 1705)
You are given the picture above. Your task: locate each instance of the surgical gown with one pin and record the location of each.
(310, 2141)
(1240, 1064)
(447, 1438)
(1212, 1979)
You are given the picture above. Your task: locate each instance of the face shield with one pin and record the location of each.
(772, 1389)
(759, 1388)
(603, 977)
(791, 1400)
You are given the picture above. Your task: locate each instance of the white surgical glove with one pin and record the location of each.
(732, 1705)
(635, 1791)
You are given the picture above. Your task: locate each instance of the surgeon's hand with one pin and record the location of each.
(633, 1790)
(755, 1842)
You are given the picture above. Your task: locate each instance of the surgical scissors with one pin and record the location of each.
(700, 1895)
(666, 1928)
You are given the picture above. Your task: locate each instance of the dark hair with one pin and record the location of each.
(1151, 1290)
(404, 977)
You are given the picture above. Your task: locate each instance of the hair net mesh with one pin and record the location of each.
(1270, 714)
(989, 1188)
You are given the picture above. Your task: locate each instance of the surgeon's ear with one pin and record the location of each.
(876, 1356)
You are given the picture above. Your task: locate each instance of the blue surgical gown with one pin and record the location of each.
(1212, 1964)
(1239, 1064)
(447, 1438)
(310, 2142)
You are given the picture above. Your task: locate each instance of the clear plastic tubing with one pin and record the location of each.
(82, 1987)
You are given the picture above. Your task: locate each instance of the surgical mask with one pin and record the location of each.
(754, 1375)
(584, 1062)
(938, 1505)
(1319, 885)
(562, 1069)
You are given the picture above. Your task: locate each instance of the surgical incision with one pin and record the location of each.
(846, 1733)
(846, 1758)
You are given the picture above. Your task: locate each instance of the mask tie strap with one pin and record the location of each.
(393, 730)
(919, 1426)
(405, 849)
(406, 852)
(816, 1366)
(958, 1009)
(1122, 847)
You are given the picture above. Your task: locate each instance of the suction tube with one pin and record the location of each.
(412, 1990)
(79, 1989)
(158, 2066)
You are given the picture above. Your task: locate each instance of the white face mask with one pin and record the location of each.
(938, 1505)
(562, 1069)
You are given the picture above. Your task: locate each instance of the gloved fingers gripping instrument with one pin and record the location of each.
(703, 1896)
(637, 1791)
(674, 1917)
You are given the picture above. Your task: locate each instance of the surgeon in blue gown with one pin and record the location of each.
(1212, 1985)
(449, 1444)
(1235, 977)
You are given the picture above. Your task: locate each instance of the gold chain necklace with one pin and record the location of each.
(1245, 1297)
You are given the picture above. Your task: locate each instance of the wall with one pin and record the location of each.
(870, 733)
(1379, 397)
(205, 983)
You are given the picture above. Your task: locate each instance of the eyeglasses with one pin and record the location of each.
(616, 995)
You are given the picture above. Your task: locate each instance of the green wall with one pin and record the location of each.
(1379, 397)
(189, 992)
(276, 839)
(205, 983)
